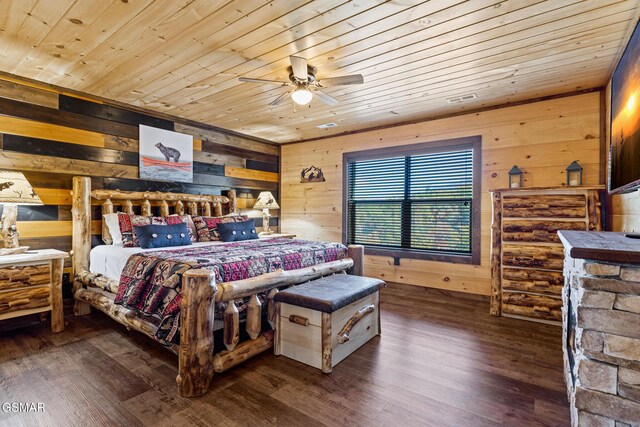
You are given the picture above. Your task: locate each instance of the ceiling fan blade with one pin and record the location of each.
(261, 81)
(279, 100)
(327, 99)
(299, 67)
(354, 79)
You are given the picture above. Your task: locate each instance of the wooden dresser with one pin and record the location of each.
(526, 252)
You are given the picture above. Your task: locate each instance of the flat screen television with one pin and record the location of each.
(624, 150)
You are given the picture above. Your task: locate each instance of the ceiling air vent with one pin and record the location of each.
(462, 98)
(327, 125)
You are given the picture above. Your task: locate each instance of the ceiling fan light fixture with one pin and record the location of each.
(301, 96)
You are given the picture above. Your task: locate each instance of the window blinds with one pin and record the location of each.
(420, 202)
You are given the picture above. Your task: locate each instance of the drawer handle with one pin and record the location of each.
(299, 320)
(343, 335)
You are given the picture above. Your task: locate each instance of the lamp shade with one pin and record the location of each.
(14, 188)
(266, 201)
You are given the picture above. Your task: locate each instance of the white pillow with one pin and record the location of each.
(114, 228)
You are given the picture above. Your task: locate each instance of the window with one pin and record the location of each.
(418, 201)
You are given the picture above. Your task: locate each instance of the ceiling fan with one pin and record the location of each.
(302, 77)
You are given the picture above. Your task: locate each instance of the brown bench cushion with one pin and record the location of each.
(330, 293)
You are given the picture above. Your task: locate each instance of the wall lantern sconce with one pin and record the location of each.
(515, 177)
(574, 174)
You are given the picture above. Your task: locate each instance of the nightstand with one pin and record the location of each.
(32, 283)
(277, 236)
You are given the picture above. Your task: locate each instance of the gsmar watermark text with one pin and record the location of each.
(22, 407)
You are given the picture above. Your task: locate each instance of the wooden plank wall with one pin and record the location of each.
(52, 136)
(541, 138)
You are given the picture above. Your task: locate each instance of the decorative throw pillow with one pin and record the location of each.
(237, 231)
(162, 236)
(173, 219)
(207, 226)
(111, 220)
(127, 222)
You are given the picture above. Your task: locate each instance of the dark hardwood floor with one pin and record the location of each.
(441, 361)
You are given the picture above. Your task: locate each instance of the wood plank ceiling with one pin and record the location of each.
(184, 57)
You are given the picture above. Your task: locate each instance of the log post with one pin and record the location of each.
(81, 241)
(271, 307)
(218, 209)
(57, 318)
(193, 208)
(326, 343)
(231, 326)
(207, 209)
(195, 365)
(128, 207)
(107, 208)
(594, 211)
(276, 334)
(179, 208)
(9, 232)
(254, 317)
(231, 195)
(356, 253)
(146, 208)
(496, 255)
(164, 208)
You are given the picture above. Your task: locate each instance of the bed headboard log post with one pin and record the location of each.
(356, 253)
(193, 208)
(217, 209)
(206, 209)
(231, 194)
(107, 208)
(128, 206)
(164, 208)
(180, 208)
(81, 234)
(146, 208)
(195, 365)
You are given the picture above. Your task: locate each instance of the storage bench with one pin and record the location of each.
(322, 322)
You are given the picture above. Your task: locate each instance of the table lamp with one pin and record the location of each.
(14, 190)
(265, 202)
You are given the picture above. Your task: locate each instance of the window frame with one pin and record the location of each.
(472, 142)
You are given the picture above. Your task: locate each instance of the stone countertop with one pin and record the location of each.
(604, 246)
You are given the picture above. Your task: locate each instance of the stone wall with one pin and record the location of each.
(604, 302)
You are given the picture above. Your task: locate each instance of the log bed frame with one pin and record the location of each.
(197, 360)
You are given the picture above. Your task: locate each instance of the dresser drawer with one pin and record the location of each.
(24, 276)
(23, 299)
(529, 305)
(538, 281)
(548, 257)
(514, 230)
(544, 206)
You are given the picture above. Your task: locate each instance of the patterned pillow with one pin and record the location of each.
(207, 226)
(127, 222)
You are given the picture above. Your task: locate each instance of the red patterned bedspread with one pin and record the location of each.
(151, 281)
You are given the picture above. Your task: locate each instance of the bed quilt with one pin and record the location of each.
(151, 282)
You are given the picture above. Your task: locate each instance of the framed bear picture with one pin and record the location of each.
(165, 155)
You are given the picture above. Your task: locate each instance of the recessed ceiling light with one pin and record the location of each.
(327, 125)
